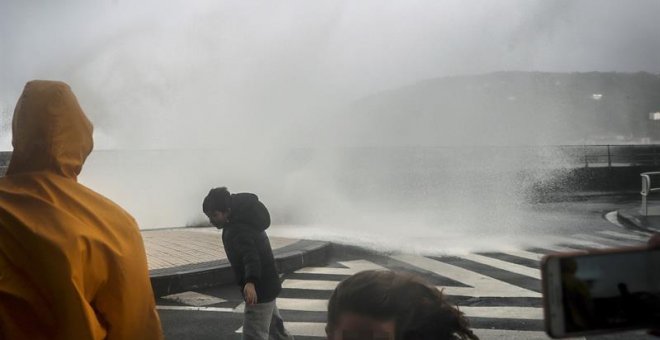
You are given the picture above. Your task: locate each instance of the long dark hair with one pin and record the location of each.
(419, 309)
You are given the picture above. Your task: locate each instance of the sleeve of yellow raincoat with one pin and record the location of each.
(126, 302)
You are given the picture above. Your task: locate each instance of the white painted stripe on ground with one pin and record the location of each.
(577, 242)
(510, 335)
(306, 328)
(642, 233)
(240, 308)
(480, 285)
(311, 329)
(559, 249)
(527, 313)
(325, 271)
(309, 284)
(524, 254)
(352, 267)
(193, 308)
(489, 290)
(605, 241)
(629, 236)
(317, 329)
(305, 305)
(504, 265)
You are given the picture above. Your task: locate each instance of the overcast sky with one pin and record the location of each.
(220, 74)
(153, 60)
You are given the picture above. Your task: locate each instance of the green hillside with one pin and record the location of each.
(513, 108)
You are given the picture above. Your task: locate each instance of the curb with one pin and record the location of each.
(301, 254)
(632, 217)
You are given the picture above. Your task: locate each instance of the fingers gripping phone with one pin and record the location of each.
(602, 292)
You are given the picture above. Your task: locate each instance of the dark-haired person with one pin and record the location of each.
(244, 220)
(387, 305)
(72, 262)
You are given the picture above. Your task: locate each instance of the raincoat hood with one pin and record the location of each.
(246, 209)
(50, 131)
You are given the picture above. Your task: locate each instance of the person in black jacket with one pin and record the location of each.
(244, 220)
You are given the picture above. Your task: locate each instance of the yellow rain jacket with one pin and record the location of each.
(72, 262)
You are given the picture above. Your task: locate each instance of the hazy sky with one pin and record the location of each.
(212, 73)
(268, 65)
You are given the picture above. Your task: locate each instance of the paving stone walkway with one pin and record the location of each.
(170, 248)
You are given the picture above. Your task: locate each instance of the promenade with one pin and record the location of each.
(181, 259)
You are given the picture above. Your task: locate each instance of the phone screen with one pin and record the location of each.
(610, 291)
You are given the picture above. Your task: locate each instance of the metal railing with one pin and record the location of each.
(605, 155)
(634, 154)
(613, 155)
(648, 188)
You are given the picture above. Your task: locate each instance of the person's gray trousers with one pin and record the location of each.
(262, 321)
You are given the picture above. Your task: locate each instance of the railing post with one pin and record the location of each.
(609, 157)
(586, 161)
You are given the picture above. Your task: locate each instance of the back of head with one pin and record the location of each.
(420, 310)
(50, 131)
(218, 199)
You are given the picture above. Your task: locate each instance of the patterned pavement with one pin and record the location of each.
(186, 247)
(499, 291)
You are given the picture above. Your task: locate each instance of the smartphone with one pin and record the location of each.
(601, 292)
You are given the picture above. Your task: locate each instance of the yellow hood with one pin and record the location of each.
(50, 131)
(72, 262)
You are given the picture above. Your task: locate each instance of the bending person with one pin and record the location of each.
(244, 220)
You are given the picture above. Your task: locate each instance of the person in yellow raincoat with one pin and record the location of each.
(72, 262)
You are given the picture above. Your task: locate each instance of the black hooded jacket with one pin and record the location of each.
(248, 248)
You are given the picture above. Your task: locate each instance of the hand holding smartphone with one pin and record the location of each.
(602, 291)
